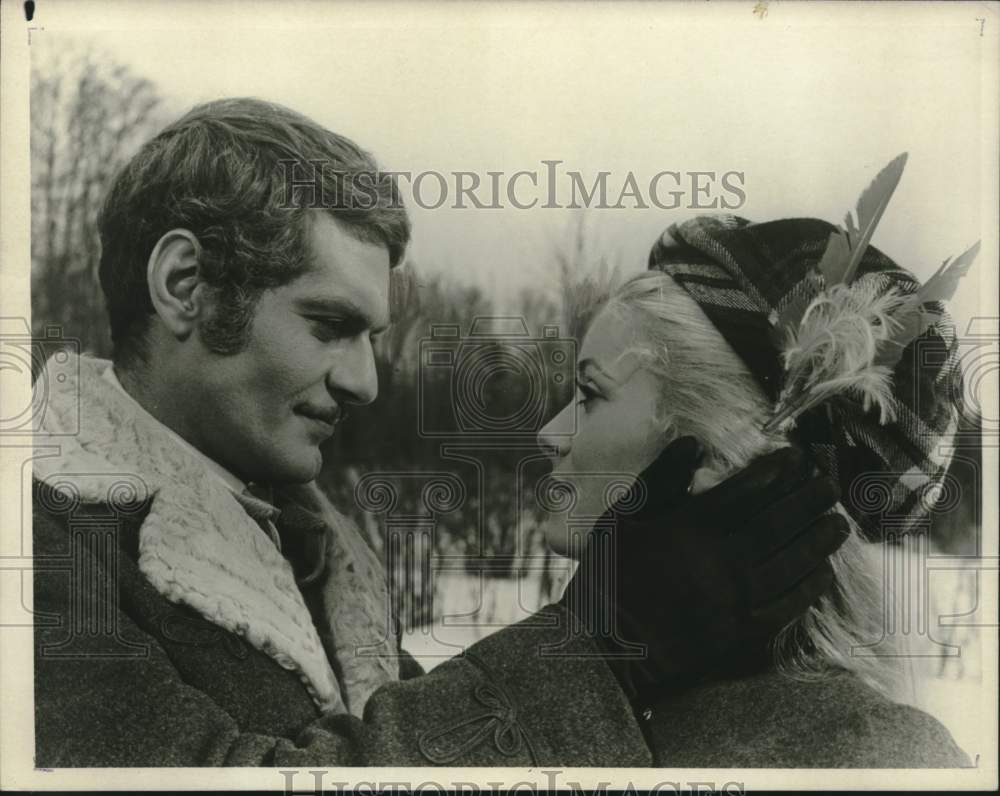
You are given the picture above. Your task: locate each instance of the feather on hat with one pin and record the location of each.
(858, 357)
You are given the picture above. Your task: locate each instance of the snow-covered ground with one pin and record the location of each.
(471, 608)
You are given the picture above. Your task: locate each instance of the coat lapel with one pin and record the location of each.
(354, 597)
(197, 545)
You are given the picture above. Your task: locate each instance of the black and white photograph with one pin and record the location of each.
(548, 395)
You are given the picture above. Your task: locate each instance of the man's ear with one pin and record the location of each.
(173, 275)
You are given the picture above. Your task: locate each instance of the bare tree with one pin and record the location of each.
(587, 275)
(88, 115)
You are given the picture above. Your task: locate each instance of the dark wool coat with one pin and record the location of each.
(769, 720)
(162, 686)
(170, 630)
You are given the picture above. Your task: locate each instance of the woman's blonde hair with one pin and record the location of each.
(709, 393)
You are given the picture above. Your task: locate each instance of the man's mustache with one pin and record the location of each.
(328, 414)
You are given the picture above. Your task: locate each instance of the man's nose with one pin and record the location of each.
(354, 377)
(555, 437)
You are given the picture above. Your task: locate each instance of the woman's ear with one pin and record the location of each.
(173, 275)
(705, 478)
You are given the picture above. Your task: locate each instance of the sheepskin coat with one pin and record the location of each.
(171, 631)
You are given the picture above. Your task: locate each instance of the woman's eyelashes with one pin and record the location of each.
(588, 394)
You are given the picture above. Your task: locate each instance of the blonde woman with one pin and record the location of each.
(695, 348)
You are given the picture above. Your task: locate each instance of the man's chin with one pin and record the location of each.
(298, 470)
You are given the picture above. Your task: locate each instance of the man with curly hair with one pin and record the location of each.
(219, 611)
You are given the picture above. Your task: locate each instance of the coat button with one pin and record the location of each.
(647, 714)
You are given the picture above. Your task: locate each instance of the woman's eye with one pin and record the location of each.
(588, 395)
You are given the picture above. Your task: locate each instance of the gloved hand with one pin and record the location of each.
(704, 582)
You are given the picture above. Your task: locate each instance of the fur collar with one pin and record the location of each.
(199, 547)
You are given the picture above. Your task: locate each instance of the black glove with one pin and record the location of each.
(705, 582)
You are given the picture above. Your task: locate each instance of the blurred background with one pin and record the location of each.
(90, 112)
(475, 100)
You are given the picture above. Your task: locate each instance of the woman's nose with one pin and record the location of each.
(556, 437)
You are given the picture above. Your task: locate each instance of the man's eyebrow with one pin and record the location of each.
(343, 309)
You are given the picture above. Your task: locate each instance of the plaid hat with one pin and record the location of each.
(743, 275)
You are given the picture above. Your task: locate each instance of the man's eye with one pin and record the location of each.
(328, 329)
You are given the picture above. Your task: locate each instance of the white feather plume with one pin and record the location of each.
(849, 337)
(833, 348)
